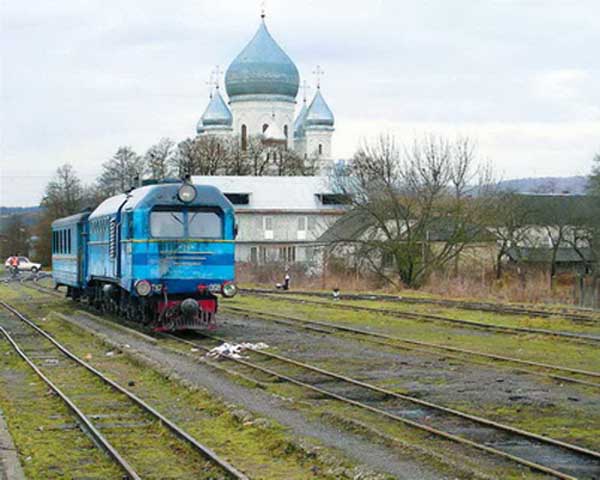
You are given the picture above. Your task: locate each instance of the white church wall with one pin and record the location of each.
(254, 114)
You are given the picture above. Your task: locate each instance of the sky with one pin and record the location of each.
(79, 78)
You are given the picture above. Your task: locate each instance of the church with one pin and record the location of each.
(262, 86)
(279, 218)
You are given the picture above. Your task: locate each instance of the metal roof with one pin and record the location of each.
(217, 113)
(275, 193)
(319, 114)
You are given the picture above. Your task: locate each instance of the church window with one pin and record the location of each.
(265, 127)
(320, 149)
(244, 137)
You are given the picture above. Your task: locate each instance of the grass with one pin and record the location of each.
(49, 443)
(489, 318)
(262, 449)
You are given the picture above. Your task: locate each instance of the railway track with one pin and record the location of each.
(583, 316)
(588, 339)
(131, 432)
(554, 372)
(542, 454)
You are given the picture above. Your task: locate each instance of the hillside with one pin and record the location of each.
(573, 185)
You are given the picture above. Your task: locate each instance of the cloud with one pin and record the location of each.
(79, 78)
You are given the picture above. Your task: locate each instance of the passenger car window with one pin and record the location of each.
(205, 225)
(167, 224)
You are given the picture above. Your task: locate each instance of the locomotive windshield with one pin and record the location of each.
(186, 223)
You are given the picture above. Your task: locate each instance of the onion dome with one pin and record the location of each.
(217, 114)
(319, 114)
(299, 123)
(263, 68)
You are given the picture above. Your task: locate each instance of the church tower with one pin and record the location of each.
(262, 84)
(314, 127)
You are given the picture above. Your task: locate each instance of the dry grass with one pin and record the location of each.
(531, 287)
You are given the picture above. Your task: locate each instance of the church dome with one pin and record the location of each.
(299, 123)
(217, 113)
(263, 68)
(319, 114)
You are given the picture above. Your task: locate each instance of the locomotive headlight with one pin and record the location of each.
(143, 288)
(187, 193)
(229, 290)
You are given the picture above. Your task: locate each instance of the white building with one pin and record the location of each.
(279, 218)
(262, 85)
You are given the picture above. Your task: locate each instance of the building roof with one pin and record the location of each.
(275, 193)
(544, 255)
(355, 223)
(217, 114)
(262, 68)
(319, 114)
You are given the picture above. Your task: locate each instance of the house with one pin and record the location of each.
(279, 218)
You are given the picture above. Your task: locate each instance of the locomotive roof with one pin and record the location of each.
(73, 219)
(161, 194)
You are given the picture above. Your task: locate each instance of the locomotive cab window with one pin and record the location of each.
(167, 224)
(193, 223)
(205, 225)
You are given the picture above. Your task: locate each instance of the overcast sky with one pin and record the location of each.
(81, 77)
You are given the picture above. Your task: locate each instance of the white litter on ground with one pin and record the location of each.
(234, 350)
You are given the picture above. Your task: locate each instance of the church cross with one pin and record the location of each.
(319, 72)
(263, 9)
(217, 72)
(306, 88)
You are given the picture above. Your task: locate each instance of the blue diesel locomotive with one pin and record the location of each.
(157, 255)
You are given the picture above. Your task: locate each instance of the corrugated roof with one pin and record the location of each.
(544, 254)
(274, 193)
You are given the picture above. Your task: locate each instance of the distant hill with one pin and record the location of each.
(572, 185)
(4, 211)
(29, 215)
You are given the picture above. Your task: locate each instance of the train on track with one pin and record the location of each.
(159, 254)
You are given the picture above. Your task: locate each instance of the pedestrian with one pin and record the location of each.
(14, 265)
(286, 282)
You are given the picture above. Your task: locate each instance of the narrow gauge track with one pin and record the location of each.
(32, 342)
(587, 339)
(543, 454)
(555, 372)
(583, 316)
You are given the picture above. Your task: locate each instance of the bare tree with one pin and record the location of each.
(159, 159)
(206, 155)
(237, 163)
(122, 172)
(419, 206)
(64, 196)
(510, 222)
(64, 193)
(257, 156)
